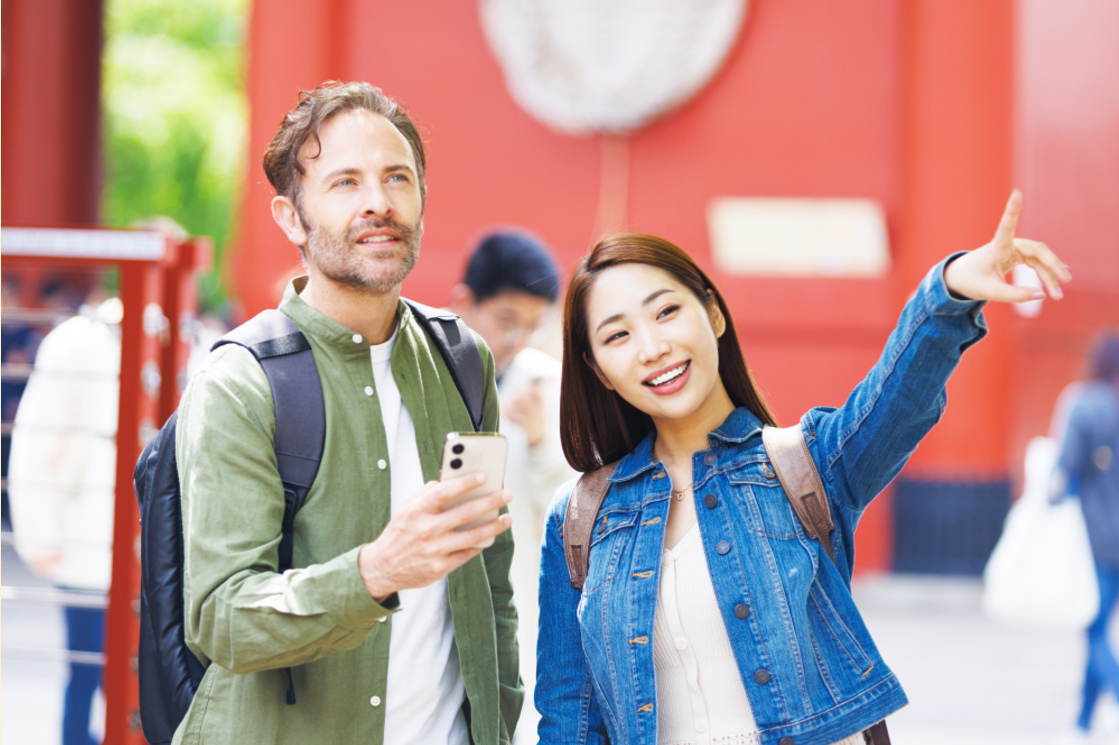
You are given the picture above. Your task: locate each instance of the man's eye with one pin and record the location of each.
(398, 177)
(346, 182)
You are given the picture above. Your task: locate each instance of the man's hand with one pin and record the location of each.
(420, 544)
(981, 274)
(527, 410)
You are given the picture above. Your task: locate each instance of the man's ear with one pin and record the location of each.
(462, 299)
(718, 320)
(287, 217)
(602, 378)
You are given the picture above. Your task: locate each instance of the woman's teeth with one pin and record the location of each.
(668, 376)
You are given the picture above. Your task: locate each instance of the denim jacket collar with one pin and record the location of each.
(740, 426)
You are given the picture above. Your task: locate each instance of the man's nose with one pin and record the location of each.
(377, 202)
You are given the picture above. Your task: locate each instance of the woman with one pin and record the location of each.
(707, 615)
(1088, 453)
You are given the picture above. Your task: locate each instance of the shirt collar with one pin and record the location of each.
(322, 328)
(740, 426)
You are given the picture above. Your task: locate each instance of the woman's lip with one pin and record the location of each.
(673, 385)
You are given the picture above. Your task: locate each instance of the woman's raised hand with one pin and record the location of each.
(981, 274)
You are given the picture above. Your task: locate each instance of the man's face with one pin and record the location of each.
(361, 213)
(505, 321)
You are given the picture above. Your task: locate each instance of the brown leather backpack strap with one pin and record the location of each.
(579, 519)
(788, 452)
(878, 734)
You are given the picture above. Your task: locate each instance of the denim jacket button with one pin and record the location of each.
(768, 472)
(711, 501)
(742, 611)
(722, 548)
(786, 741)
(710, 459)
(761, 677)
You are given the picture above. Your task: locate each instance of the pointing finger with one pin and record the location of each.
(1009, 222)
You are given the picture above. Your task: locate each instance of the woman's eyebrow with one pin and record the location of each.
(618, 316)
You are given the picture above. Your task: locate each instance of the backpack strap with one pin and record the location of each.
(579, 519)
(285, 354)
(456, 343)
(788, 452)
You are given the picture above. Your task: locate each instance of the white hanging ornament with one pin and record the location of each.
(586, 66)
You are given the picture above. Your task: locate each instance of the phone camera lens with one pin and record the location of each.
(457, 449)
(456, 463)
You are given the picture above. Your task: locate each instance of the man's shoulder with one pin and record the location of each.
(231, 368)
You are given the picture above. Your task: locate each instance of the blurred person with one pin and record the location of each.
(508, 292)
(394, 626)
(61, 482)
(1087, 466)
(708, 614)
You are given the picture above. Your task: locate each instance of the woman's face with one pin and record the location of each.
(656, 344)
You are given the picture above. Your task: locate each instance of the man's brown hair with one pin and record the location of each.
(281, 159)
(597, 426)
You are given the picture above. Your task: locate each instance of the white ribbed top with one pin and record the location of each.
(700, 697)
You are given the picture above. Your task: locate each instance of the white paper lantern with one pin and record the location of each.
(585, 66)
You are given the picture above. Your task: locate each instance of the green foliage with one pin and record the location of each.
(175, 116)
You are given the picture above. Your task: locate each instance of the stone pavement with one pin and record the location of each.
(970, 681)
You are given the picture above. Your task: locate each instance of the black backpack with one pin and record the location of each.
(169, 672)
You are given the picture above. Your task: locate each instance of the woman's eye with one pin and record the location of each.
(668, 311)
(614, 337)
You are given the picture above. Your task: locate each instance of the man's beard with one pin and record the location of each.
(336, 258)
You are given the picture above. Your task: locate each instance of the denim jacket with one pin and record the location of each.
(810, 669)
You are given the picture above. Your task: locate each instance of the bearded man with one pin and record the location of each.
(395, 628)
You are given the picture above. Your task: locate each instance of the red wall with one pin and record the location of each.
(908, 102)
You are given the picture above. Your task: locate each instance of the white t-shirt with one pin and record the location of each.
(425, 690)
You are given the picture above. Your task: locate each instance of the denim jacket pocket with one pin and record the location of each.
(763, 501)
(612, 533)
(843, 661)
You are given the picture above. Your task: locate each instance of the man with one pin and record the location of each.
(509, 290)
(394, 628)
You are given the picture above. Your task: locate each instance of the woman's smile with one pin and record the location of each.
(664, 383)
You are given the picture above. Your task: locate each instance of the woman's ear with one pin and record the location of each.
(718, 320)
(602, 378)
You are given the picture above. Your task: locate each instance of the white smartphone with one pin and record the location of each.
(468, 452)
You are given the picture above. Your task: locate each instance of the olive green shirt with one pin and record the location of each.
(250, 623)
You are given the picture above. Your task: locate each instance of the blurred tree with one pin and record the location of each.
(176, 117)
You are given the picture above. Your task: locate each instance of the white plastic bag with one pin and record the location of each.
(1041, 574)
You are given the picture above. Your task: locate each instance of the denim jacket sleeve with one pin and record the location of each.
(568, 706)
(861, 446)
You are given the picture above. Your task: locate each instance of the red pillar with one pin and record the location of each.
(141, 286)
(295, 46)
(51, 134)
(956, 177)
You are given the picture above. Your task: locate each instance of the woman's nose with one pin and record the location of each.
(652, 349)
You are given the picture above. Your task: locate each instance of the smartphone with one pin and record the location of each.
(467, 452)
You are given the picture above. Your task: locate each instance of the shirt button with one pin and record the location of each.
(710, 459)
(368, 390)
(681, 643)
(711, 501)
(768, 472)
(357, 338)
(375, 701)
(722, 548)
(761, 677)
(701, 725)
(742, 611)
(382, 619)
(382, 464)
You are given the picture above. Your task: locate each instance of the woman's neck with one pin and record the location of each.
(678, 439)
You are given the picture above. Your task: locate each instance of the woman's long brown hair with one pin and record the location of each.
(597, 426)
